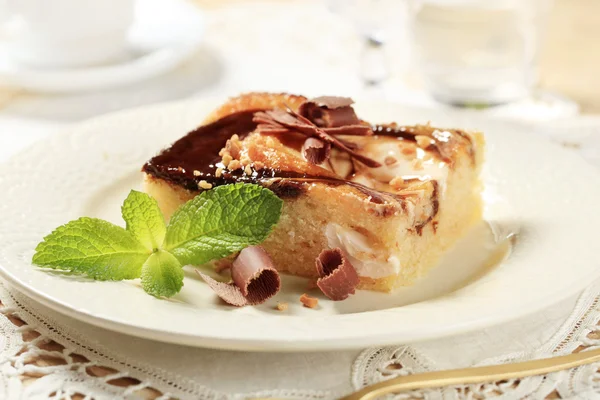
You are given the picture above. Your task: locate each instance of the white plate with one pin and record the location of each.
(548, 193)
(165, 34)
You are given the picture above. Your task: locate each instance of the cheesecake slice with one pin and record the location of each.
(394, 198)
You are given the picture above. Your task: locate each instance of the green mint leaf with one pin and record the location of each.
(162, 274)
(144, 220)
(92, 246)
(222, 221)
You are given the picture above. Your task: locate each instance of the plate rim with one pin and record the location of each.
(257, 345)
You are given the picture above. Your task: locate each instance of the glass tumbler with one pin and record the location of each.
(480, 52)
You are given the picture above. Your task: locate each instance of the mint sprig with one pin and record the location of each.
(213, 225)
(221, 222)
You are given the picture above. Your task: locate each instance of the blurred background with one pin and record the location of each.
(62, 61)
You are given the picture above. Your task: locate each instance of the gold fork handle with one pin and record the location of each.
(475, 375)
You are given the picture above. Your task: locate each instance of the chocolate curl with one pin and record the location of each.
(338, 278)
(316, 151)
(254, 273)
(255, 279)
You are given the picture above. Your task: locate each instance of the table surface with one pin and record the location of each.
(570, 58)
(569, 65)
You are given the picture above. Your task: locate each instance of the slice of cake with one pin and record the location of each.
(393, 197)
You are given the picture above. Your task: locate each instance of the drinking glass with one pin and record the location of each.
(477, 51)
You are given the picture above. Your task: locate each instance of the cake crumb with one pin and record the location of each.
(248, 170)
(423, 141)
(219, 172)
(309, 302)
(204, 185)
(282, 306)
(234, 164)
(197, 173)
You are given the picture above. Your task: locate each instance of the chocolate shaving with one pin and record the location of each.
(276, 120)
(331, 102)
(350, 130)
(316, 151)
(338, 278)
(230, 293)
(335, 142)
(330, 111)
(255, 279)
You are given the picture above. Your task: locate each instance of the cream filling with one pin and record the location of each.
(366, 260)
(422, 165)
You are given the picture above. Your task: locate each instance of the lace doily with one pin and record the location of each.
(41, 358)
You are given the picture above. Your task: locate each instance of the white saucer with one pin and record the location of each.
(165, 34)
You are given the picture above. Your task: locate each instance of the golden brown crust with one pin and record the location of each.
(254, 101)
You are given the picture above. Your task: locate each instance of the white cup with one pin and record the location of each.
(67, 33)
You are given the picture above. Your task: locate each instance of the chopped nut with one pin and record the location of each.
(282, 306)
(197, 173)
(270, 142)
(204, 185)
(245, 160)
(423, 141)
(389, 160)
(309, 302)
(248, 170)
(408, 151)
(417, 164)
(234, 164)
(420, 189)
(233, 146)
(219, 172)
(226, 159)
(397, 182)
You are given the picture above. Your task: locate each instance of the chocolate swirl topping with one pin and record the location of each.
(195, 157)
